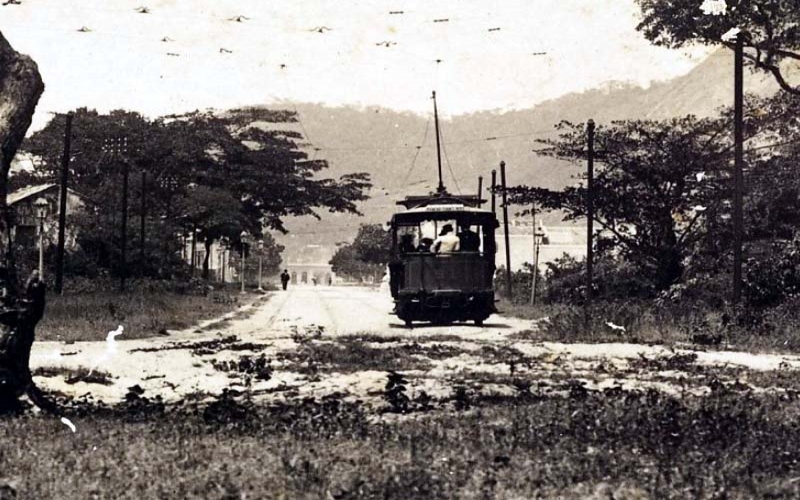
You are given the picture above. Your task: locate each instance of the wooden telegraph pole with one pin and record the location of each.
(494, 185)
(142, 223)
(589, 221)
(124, 223)
(509, 287)
(62, 205)
(738, 161)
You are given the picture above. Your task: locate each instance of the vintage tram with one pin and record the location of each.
(443, 287)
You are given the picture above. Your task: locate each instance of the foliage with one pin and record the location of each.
(212, 175)
(395, 392)
(772, 274)
(657, 185)
(612, 279)
(148, 309)
(770, 30)
(521, 282)
(367, 256)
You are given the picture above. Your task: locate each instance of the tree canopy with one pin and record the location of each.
(209, 174)
(656, 185)
(366, 256)
(771, 29)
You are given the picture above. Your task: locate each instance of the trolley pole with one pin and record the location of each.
(509, 288)
(62, 205)
(589, 222)
(738, 138)
(439, 189)
(480, 188)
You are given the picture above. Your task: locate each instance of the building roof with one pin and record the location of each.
(30, 191)
(27, 192)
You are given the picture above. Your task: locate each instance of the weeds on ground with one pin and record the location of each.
(251, 367)
(613, 444)
(347, 357)
(72, 376)
(207, 347)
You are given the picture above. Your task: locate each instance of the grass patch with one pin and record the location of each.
(627, 445)
(349, 356)
(91, 316)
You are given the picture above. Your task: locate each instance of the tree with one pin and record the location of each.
(770, 29)
(214, 174)
(210, 214)
(20, 88)
(366, 256)
(656, 187)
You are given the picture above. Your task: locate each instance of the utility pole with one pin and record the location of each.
(142, 223)
(509, 288)
(480, 188)
(62, 205)
(738, 162)
(194, 249)
(124, 226)
(494, 185)
(535, 255)
(589, 221)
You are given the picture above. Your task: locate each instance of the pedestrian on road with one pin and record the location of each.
(285, 278)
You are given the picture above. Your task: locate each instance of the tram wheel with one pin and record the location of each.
(409, 324)
(478, 322)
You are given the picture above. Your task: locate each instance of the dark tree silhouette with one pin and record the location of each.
(20, 88)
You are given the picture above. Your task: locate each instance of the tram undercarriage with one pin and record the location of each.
(445, 306)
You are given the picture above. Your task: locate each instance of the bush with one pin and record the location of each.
(521, 282)
(772, 274)
(613, 279)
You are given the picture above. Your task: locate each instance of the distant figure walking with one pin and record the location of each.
(285, 278)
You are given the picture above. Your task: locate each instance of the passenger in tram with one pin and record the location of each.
(425, 245)
(447, 242)
(470, 241)
(407, 243)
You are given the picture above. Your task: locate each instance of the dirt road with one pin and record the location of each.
(313, 341)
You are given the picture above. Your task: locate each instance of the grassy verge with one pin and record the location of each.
(620, 445)
(90, 316)
(773, 330)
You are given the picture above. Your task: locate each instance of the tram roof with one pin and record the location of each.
(441, 199)
(444, 212)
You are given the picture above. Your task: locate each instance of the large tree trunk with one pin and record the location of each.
(20, 88)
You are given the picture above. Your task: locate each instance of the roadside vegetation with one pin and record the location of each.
(148, 309)
(585, 445)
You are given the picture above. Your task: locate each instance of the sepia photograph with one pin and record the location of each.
(398, 249)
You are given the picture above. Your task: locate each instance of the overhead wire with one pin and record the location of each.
(416, 153)
(449, 167)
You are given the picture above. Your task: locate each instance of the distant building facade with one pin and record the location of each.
(311, 264)
(25, 229)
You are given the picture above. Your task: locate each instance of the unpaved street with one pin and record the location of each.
(314, 341)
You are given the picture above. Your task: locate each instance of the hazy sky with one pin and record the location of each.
(485, 51)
